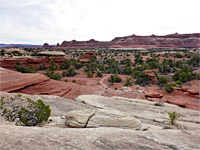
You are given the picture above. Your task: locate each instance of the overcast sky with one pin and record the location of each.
(52, 21)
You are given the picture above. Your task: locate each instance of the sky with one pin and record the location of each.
(53, 21)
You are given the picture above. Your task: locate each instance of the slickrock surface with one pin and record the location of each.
(156, 133)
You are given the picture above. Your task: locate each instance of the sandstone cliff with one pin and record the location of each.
(134, 41)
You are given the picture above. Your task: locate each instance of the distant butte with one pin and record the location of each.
(134, 41)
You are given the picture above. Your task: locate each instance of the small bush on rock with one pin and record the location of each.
(24, 112)
(173, 117)
(169, 88)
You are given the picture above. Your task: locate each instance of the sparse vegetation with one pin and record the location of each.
(173, 117)
(24, 111)
(114, 78)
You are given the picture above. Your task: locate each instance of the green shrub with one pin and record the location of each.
(173, 117)
(194, 61)
(71, 72)
(99, 74)
(24, 69)
(143, 79)
(89, 74)
(73, 81)
(178, 84)
(184, 75)
(128, 70)
(178, 55)
(65, 64)
(24, 111)
(53, 66)
(2, 53)
(64, 73)
(169, 88)
(114, 78)
(53, 75)
(129, 81)
(162, 80)
(66, 80)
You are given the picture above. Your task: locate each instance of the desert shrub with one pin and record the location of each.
(179, 64)
(71, 72)
(128, 70)
(65, 64)
(55, 76)
(129, 81)
(178, 55)
(73, 81)
(24, 69)
(178, 84)
(114, 78)
(184, 75)
(64, 73)
(143, 79)
(164, 68)
(2, 53)
(89, 74)
(66, 80)
(24, 111)
(99, 74)
(42, 67)
(53, 66)
(169, 88)
(194, 61)
(162, 80)
(173, 117)
(135, 74)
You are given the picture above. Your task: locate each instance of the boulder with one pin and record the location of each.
(101, 118)
(78, 118)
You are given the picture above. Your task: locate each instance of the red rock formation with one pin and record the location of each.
(193, 93)
(152, 75)
(86, 57)
(38, 84)
(134, 41)
(35, 62)
(84, 44)
(153, 95)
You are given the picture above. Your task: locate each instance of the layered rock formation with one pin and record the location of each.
(12, 81)
(156, 132)
(134, 41)
(10, 63)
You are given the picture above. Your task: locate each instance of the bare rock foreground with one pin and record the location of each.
(154, 133)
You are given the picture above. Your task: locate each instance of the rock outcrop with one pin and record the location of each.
(134, 41)
(36, 84)
(10, 63)
(152, 75)
(92, 118)
(156, 132)
(87, 56)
